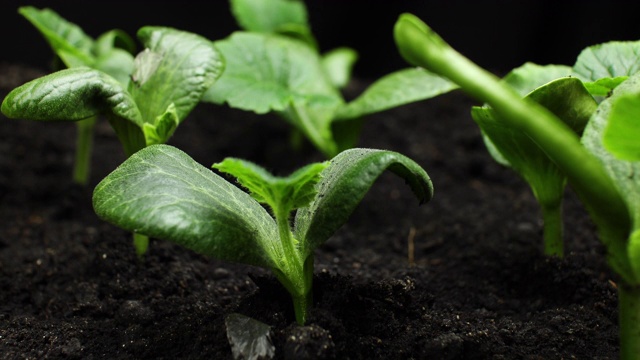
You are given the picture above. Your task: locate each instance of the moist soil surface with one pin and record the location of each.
(474, 286)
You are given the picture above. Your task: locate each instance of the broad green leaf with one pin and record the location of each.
(61, 34)
(267, 73)
(622, 133)
(395, 89)
(71, 95)
(344, 183)
(280, 193)
(608, 60)
(273, 73)
(338, 64)
(530, 76)
(269, 16)
(176, 67)
(163, 193)
(625, 174)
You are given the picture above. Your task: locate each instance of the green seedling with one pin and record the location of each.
(168, 79)
(110, 53)
(608, 187)
(270, 72)
(163, 193)
(572, 94)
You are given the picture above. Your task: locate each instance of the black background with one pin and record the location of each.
(498, 35)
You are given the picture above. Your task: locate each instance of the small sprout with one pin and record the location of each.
(608, 187)
(161, 192)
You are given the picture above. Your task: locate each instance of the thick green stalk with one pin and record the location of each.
(629, 321)
(552, 231)
(84, 145)
(550, 200)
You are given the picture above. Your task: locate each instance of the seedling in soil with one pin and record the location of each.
(609, 187)
(110, 53)
(270, 72)
(570, 93)
(163, 193)
(168, 79)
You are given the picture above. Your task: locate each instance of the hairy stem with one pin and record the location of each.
(84, 145)
(629, 321)
(295, 275)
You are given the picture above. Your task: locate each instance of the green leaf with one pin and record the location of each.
(163, 193)
(625, 174)
(344, 183)
(338, 64)
(176, 67)
(530, 76)
(608, 60)
(622, 133)
(604, 86)
(267, 73)
(71, 95)
(272, 73)
(62, 35)
(269, 16)
(566, 97)
(395, 89)
(111, 53)
(280, 193)
(569, 100)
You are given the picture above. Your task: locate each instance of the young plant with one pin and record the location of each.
(570, 101)
(110, 53)
(270, 72)
(163, 193)
(570, 93)
(608, 187)
(168, 79)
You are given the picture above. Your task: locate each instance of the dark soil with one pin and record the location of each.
(479, 288)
